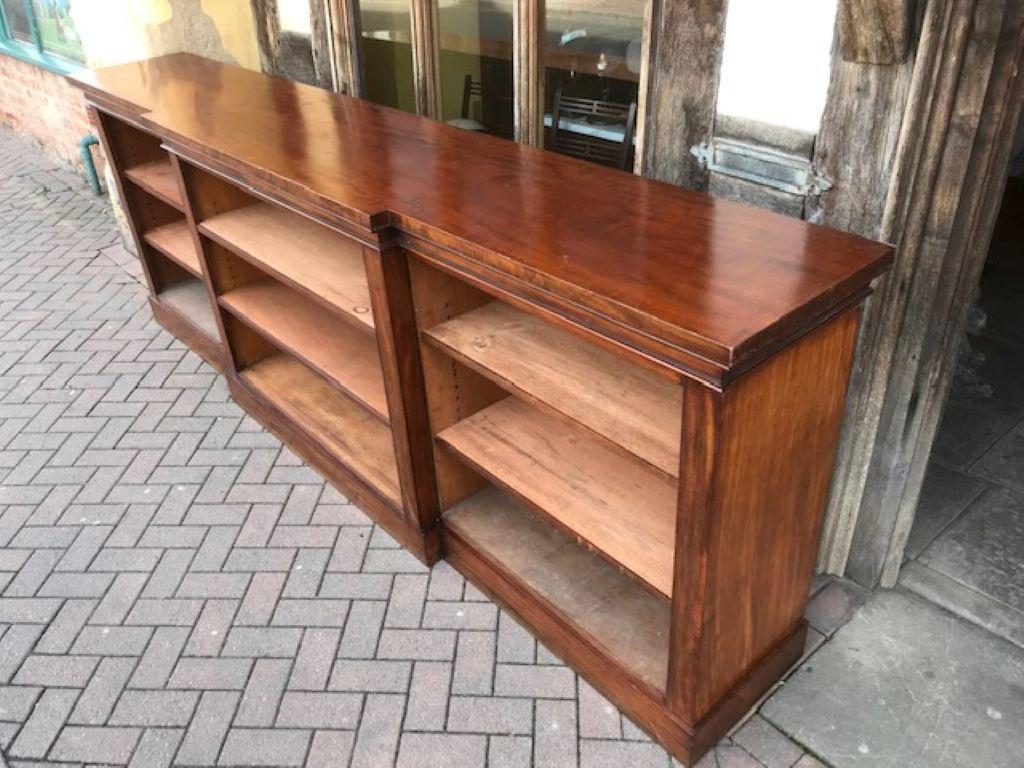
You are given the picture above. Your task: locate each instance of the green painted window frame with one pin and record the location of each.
(33, 53)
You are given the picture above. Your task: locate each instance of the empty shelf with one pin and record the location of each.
(622, 507)
(175, 241)
(157, 178)
(313, 258)
(619, 400)
(623, 617)
(190, 299)
(355, 437)
(317, 336)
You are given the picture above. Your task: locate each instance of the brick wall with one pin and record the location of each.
(41, 104)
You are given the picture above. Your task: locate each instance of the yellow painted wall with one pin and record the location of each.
(116, 31)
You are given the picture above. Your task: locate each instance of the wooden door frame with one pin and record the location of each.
(950, 168)
(343, 16)
(426, 63)
(528, 72)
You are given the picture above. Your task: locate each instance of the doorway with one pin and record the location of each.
(966, 546)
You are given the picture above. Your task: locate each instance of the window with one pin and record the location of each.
(295, 41)
(41, 30)
(592, 53)
(776, 61)
(460, 61)
(476, 64)
(385, 49)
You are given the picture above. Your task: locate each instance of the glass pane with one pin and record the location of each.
(476, 64)
(593, 50)
(295, 41)
(293, 16)
(57, 30)
(17, 20)
(776, 61)
(386, 50)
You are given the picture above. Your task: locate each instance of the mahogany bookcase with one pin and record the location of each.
(611, 403)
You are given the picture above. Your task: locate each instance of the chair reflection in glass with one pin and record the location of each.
(594, 130)
(494, 112)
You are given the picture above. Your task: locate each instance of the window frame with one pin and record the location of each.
(34, 52)
(527, 63)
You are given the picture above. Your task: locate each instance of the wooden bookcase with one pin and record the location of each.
(618, 420)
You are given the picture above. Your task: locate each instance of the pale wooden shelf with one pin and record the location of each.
(628, 405)
(357, 438)
(342, 354)
(175, 241)
(157, 178)
(190, 299)
(310, 257)
(631, 623)
(620, 506)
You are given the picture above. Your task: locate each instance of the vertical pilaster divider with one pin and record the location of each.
(426, 63)
(528, 72)
(387, 273)
(698, 452)
(116, 162)
(181, 173)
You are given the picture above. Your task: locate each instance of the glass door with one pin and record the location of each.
(593, 53)
(385, 53)
(476, 64)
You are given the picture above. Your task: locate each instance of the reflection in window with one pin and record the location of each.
(476, 64)
(17, 20)
(776, 61)
(52, 21)
(386, 53)
(295, 40)
(592, 53)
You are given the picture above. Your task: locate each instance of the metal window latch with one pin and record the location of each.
(761, 165)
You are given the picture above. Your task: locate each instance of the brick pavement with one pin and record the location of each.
(177, 587)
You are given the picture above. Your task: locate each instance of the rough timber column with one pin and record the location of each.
(855, 150)
(950, 169)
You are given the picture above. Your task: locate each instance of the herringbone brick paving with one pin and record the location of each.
(177, 587)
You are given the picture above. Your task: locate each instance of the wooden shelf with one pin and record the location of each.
(175, 241)
(620, 615)
(551, 368)
(620, 506)
(348, 431)
(308, 256)
(157, 178)
(190, 299)
(315, 335)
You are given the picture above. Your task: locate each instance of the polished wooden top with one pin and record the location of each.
(723, 283)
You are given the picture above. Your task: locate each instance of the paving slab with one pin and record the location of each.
(945, 494)
(907, 685)
(984, 549)
(970, 425)
(1003, 463)
(977, 607)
